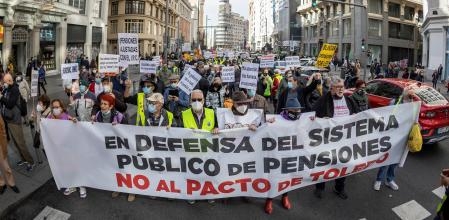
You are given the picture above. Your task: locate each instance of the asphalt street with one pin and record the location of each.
(416, 180)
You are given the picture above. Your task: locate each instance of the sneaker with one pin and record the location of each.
(211, 201)
(191, 202)
(392, 185)
(30, 167)
(20, 163)
(115, 194)
(318, 193)
(377, 185)
(342, 194)
(131, 197)
(69, 191)
(83, 192)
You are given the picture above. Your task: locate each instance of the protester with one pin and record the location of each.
(203, 84)
(359, 96)
(277, 78)
(108, 113)
(443, 207)
(316, 94)
(265, 82)
(83, 102)
(120, 104)
(175, 99)
(43, 110)
(332, 105)
(294, 91)
(434, 79)
(10, 101)
(256, 101)
(6, 177)
(25, 91)
(96, 87)
(41, 78)
(215, 96)
(283, 85)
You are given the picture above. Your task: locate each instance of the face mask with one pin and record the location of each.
(241, 108)
(293, 115)
(19, 79)
(106, 113)
(173, 85)
(94, 71)
(5, 85)
(39, 108)
(146, 90)
(290, 85)
(197, 106)
(107, 88)
(57, 111)
(151, 108)
(251, 93)
(97, 81)
(82, 88)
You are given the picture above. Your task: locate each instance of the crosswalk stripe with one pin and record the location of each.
(411, 210)
(49, 213)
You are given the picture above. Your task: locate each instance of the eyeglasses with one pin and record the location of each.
(339, 87)
(197, 100)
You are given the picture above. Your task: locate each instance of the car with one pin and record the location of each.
(434, 113)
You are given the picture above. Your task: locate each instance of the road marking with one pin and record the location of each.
(411, 211)
(439, 191)
(49, 213)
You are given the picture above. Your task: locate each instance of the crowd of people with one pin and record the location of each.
(100, 98)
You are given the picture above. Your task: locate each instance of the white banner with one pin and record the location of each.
(186, 47)
(266, 62)
(34, 82)
(108, 63)
(189, 81)
(228, 74)
(128, 44)
(292, 61)
(69, 71)
(147, 66)
(208, 55)
(187, 164)
(249, 76)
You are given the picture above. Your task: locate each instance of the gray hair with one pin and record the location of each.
(196, 91)
(335, 80)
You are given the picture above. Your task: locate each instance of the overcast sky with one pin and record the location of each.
(211, 9)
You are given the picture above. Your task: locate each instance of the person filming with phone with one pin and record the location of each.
(175, 99)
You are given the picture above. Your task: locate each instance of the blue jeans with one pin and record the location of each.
(388, 170)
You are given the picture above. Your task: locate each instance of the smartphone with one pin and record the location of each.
(173, 92)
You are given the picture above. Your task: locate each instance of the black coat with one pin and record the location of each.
(301, 94)
(324, 107)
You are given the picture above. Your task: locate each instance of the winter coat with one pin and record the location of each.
(301, 93)
(361, 100)
(10, 100)
(25, 90)
(324, 107)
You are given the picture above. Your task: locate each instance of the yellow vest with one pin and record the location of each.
(208, 121)
(170, 118)
(140, 117)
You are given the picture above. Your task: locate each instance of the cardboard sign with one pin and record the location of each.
(34, 82)
(147, 66)
(69, 71)
(266, 62)
(249, 76)
(128, 44)
(186, 47)
(292, 61)
(228, 74)
(189, 81)
(108, 63)
(326, 55)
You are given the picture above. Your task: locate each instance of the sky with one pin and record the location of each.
(211, 9)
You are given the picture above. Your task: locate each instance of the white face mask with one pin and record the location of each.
(39, 108)
(197, 106)
(242, 108)
(107, 88)
(57, 111)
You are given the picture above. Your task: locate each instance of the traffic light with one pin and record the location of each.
(314, 4)
(363, 44)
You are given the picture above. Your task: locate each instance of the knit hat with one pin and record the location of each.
(292, 103)
(240, 97)
(108, 98)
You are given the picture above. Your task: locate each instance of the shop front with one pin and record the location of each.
(76, 36)
(97, 36)
(47, 53)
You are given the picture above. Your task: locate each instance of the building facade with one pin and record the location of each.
(232, 30)
(147, 19)
(262, 23)
(436, 36)
(390, 34)
(51, 31)
(197, 18)
(185, 29)
(287, 25)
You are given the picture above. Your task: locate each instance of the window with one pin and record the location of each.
(80, 4)
(133, 26)
(372, 87)
(114, 8)
(150, 29)
(96, 13)
(375, 28)
(409, 13)
(375, 6)
(394, 10)
(388, 90)
(336, 25)
(113, 26)
(334, 8)
(347, 27)
(134, 7)
(400, 31)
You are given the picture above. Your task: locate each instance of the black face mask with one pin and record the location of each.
(293, 115)
(361, 91)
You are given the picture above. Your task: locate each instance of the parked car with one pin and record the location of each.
(434, 113)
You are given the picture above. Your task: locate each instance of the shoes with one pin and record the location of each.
(318, 193)
(342, 194)
(392, 185)
(286, 202)
(15, 189)
(20, 163)
(83, 192)
(131, 197)
(30, 167)
(268, 206)
(2, 189)
(377, 185)
(211, 201)
(69, 191)
(191, 202)
(115, 194)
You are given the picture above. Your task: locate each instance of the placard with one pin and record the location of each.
(266, 62)
(249, 76)
(34, 82)
(228, 74)
(292, 61)
(189, 81)
(128, 44)
(69, 71)
(186, 47)
(147, 66)
(326, 55)
(108, 63)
